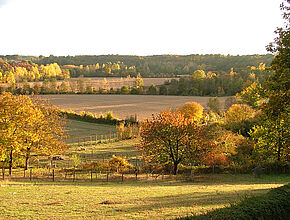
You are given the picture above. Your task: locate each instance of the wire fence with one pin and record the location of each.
(80, 175)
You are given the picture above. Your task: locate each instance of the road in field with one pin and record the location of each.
(124, 106)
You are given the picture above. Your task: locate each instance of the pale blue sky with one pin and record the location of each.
(137, 27)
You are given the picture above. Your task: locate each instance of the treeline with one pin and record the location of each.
(148, 66)
(201, 83)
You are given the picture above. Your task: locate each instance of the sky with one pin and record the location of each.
(137, 27)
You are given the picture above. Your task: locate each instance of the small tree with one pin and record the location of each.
(171, 138)
(214, 104)
(192, 110)
(119, 164)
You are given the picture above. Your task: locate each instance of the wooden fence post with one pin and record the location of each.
(53, 175)
(3, 173)
(122, 177)
(107, 176)
(30, 174)
(91, 175)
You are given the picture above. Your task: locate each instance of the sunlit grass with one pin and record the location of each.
(130, 199)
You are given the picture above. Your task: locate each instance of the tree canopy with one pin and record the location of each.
(28, 125)
(172, 138)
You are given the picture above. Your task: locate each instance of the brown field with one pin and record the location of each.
(124, 106)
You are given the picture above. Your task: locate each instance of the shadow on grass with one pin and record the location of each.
(195, 199)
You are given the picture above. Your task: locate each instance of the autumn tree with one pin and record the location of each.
(192, 110)
(172, 138)
(198, 75)
(272, 135)
(15, 113)
(240, 118)
(27, 126)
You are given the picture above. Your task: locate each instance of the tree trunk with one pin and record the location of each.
(10, 162)
(26, 162)
(175, 168)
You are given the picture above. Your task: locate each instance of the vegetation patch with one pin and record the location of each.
(273, 205)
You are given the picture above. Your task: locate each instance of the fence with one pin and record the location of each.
(78, 175)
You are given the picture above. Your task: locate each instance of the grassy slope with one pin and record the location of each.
(79, 129)
(155, 200)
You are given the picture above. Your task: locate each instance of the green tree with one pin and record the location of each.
(152, 90)
(273, 133)
(214, 104)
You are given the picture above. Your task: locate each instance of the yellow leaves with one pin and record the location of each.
(238, 113)
(192, 110)
(27, 123)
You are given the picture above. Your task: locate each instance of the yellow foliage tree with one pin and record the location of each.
(28, 125)
(192, 110)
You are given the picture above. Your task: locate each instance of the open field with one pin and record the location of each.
(128, 200)
(124, 106)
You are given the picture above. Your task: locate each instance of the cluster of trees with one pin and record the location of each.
(252, 132)
(201, 83)
(29, 126)
(80, 86)
(106, 69)
(12, 72)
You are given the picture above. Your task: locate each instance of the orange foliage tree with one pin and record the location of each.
(172, 138)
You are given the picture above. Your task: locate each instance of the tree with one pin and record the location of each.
(198, 75)
(271, 140)
(214, 104)
(152, 90)
(172, 138)
(119, 164)
(15, 113)
(273, 133)
(192, 110)
(139, 81)
(252, 95)
(239, 118)
(27, 126)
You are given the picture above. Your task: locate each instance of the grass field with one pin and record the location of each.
(128, 200)
(80, 130)
(124, 106)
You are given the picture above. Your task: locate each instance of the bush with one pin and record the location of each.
(273, 205)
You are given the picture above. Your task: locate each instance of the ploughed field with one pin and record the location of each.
(124, 106)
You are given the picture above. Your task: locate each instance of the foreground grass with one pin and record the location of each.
(145, 200)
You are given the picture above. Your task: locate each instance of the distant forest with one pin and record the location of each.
(204, 75)
(148, 66)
